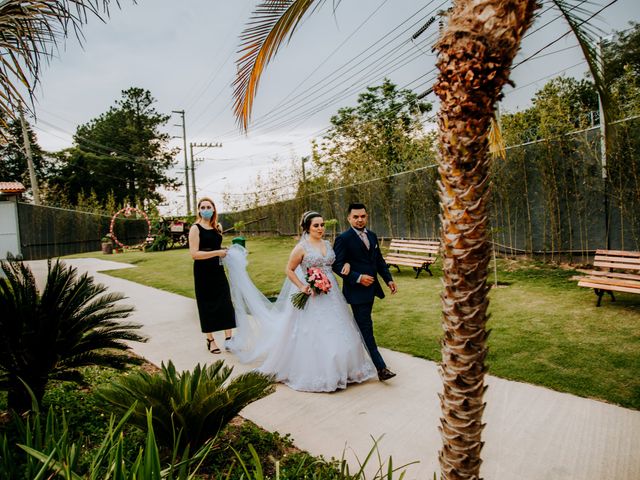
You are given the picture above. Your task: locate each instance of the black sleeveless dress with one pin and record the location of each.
(212, 288)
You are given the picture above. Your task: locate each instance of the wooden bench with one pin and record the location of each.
(622, 274)
(419, 254)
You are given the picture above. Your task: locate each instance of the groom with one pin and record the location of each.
(359, 248)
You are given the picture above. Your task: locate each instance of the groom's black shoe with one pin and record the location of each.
(385, 374)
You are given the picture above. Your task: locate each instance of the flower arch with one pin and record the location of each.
(127, 211)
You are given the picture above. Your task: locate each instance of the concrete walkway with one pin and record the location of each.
(531, 433)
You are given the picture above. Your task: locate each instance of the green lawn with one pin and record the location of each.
(545, 330)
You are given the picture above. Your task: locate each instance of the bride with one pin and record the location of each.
(315, 349)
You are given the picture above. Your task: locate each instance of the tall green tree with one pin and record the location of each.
(376, 137)
(622, 52)
(381, 136)
(13, 160)
(123, 151)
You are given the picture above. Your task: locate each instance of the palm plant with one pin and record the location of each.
(189, 408)
(474, 66)
(30, 31)
(72, 323)
(476, 50)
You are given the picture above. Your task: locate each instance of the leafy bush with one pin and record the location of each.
(60, 457)
(192, 406)
(90, 445)
(239, 226)
(159, 244)
(33, 432)
(317, 469)
(72, 324)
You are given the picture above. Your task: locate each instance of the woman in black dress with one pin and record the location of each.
(212, 289)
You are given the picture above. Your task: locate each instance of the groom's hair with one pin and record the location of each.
(356, 206)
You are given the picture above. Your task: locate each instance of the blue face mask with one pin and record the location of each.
(206, 214)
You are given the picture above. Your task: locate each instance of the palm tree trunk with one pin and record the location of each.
(476, 50)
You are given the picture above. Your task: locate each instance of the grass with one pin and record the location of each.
(172, 270)
(545, 329)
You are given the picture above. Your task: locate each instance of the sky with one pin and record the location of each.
(184, 53)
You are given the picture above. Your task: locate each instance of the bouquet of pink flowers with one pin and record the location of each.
(318, 282)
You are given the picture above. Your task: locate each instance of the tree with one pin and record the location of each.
(476, 49)
(31, 30)
(374, 137)
(122, 151)
(621, 53)
(622, 70)
(13, 163)
(72, 323)
(379, 137)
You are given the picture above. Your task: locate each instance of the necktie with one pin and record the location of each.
(365, 239)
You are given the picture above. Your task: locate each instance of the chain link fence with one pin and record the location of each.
(549, 197)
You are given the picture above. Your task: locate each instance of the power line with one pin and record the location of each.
(243, 13)
(109, 151)
(566, 33)
(350, 65)
(548, 76)
(354, 87)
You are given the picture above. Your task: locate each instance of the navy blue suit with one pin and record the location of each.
(349, 248)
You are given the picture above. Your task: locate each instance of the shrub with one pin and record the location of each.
(60, 457)
(159, 243)
(72, 324)
(193, 406)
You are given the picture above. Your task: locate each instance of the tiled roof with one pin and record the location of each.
(11, 187)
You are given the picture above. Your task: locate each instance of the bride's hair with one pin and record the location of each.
(305, 221)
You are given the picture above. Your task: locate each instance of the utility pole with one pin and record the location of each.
(186, 161)
(603, 152)
(27, 151)
(304, 183)
(193, 166)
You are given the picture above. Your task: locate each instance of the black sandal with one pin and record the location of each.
(215, 350)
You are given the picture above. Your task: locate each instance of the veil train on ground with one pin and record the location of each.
(258, 320)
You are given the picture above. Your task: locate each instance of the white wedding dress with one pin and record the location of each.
(317, 349)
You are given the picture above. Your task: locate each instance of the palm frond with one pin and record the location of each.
(587, 36)
(270, 23)
(73, 323)
(30, 31)
(497, 146)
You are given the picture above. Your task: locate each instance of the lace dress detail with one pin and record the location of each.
(319, 348)
(314, 257)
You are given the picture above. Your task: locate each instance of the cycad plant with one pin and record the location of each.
(189, 407)
(73, 323)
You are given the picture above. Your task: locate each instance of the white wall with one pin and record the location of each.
(9, 237)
